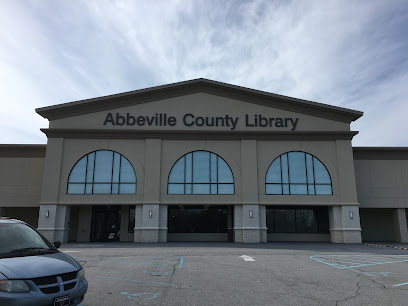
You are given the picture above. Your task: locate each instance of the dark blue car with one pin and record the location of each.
(34, 272)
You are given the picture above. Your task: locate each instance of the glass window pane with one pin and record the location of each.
(224, 172)
(103, 166)
(127, 188)
(176, 188)
(177, 172)
(311, 189)
(285, 221)
(298, 189)
(76, 188)
(78, 172)
(201, 188)
(88, 188)
(270, 220)
(213, 168)
(198, 178)
(116, 167)
(197, 219)
(285, 188)
(115, 188)
(201, 167)
(189, 168)
(89, 172)
(127, 174)
(102, 188)
(99, 170)
(323, 189)
(297, 167)
(309, 168)
(225, 188)
(284, 162)
(273, 189)
(274, 172)
(320, 171)
(305, 221)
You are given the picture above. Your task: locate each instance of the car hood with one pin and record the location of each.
(37, 266)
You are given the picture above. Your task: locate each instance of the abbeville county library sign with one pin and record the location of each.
(190, 120)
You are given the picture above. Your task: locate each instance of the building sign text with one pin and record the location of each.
(191, 120)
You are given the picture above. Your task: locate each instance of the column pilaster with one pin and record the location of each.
(400, 224)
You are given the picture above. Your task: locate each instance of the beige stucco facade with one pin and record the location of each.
(153, 128)
(382, 185)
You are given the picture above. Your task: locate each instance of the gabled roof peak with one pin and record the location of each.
(195, 86)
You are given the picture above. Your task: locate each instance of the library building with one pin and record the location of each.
(202, 160)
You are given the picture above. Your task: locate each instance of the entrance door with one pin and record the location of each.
(105, 223)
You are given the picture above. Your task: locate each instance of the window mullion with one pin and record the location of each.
(217, 172)
(280, 162)
(307, 181)
(93, 173)
(287, 161)
(209, 160)
(120, 168)
(86, 172)
(185, 174)
(113, 159)
(314, 179)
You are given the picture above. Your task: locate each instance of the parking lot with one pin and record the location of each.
(242, 274)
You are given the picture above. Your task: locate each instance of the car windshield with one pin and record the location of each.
(18, 237)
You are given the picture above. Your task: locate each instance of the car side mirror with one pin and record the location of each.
(57, 244)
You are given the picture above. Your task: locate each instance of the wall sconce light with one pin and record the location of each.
(47, 213)
(351, 214)
(250, 214)
(150, 213)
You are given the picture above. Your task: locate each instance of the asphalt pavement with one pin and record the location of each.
(243, 274)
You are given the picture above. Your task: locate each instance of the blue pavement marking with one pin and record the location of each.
(134, 280)
(400, 284)
(146, 261)
(377, 273)
(374, 258)
(353, 261)
(139, 296)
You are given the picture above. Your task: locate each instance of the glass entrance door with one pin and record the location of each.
(105, 223)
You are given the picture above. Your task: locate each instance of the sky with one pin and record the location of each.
(352, 54)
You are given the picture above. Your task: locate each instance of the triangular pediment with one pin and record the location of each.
(188, 88)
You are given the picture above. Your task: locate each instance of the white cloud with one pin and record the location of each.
(351, 54)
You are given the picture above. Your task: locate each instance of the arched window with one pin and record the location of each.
(102, 172)
(201, 172)
(297, 173)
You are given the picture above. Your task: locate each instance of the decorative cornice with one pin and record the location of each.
(192, 135)
(195, 86)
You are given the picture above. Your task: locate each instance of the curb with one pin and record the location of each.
(386, 246)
